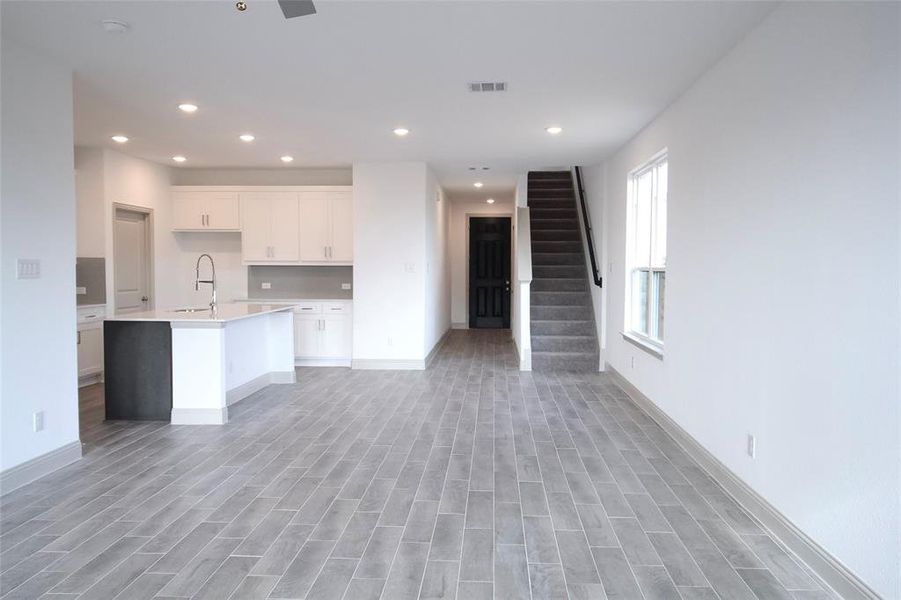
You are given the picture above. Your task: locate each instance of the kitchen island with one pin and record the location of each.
(189, 365)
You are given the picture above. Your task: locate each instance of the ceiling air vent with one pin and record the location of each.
(488, 86)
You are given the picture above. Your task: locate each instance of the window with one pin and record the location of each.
(646, 252)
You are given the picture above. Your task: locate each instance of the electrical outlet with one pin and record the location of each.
(752, 446)
(81, 291)
(266, 285)
(28, 268)
(345, 286)
(39, 420)
(409, 268)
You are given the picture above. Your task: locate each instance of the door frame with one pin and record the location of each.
(493, 214)
(149, 247)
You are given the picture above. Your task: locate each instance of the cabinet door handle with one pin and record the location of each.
(78, 337)
(207, 220)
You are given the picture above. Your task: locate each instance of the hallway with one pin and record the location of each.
(469, 480)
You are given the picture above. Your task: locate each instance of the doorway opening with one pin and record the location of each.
(489, 272)
(132, 259)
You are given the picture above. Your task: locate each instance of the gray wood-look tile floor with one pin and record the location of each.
(469, 480)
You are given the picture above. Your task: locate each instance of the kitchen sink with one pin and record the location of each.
(191, 310)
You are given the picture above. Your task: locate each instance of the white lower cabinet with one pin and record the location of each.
(90, 343)
(323, 333)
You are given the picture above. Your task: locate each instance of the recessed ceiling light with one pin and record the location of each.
(287, 158)
(490, 200)
(247, 137)
(478, 184)
(179, 158)
(119, 139)
(401, 131)
(187, 107)
(554, 130)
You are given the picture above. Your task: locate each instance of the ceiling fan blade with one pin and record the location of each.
(297, 8)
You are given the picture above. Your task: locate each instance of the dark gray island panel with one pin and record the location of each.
(137, 358)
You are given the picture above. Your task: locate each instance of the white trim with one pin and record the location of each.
(525, 359)
(459, 325)
(39, 466)
(322, 362)
(199, 416)
(644, 343)
(833, 573)
(378, 364)
(256, 384)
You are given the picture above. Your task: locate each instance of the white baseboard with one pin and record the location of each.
(459, 325)
(256, 384)
(322, 362)
(437, 347)
(525, 358)
(199, 416)
(15, 477)
(833, 573)
(378, 364)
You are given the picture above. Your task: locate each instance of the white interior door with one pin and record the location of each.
(131, 257)
(342, 225)
(314, 226)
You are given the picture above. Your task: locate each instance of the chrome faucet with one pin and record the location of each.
(211, 281)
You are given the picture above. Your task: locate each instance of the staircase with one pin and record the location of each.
(564, 337)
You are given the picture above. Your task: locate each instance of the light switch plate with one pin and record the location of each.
(28, 268)
(345, 286)
(266, 285)
(81, 291)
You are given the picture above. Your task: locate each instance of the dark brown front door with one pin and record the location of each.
(489, 272)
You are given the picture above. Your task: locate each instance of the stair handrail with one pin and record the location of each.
(595, 273)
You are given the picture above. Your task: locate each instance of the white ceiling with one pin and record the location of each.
(329, 88)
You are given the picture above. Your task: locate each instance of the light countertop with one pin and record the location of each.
(224, 313)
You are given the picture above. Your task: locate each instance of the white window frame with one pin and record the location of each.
(639, 338)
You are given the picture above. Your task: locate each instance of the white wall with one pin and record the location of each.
(90, 211)
(459, 252)
(783, 272)
(182, 176)
(438, 291)
(390, 260)
(37, 221)
(594, 183)
(106, 177)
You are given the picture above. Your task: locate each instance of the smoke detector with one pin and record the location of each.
(488, 86)
(114, 26)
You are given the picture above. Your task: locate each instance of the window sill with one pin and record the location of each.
(652, 349)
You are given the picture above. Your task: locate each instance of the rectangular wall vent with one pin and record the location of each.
(488, 86)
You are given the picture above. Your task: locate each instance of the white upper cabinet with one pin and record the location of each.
(279, 225)
(270, 232)
(314, 226)
(326, 227)
(205, 211)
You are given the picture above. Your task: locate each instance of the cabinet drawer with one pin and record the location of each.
(335, 308)
(91, 315)
(308, 308)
